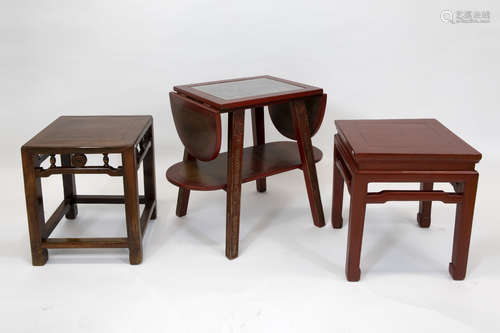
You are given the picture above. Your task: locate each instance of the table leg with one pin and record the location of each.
(302, 130)
(424, 207)
(463, 227)
(234, 158)
(259, 139)
(148, 169)
(183, 195)
(34, 208)
(69, 186)
(357, 209)
(338, 191)
(130, 186)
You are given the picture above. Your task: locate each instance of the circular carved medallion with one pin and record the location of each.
(78, 160)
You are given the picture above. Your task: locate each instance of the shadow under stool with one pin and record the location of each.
(406, 150)
(72, 137)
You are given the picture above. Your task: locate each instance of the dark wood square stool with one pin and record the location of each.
(420, 150)
(72, 138)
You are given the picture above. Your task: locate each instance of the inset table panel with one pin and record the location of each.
(246, 88)
(245, 93)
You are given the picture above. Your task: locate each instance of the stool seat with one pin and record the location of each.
(403, 150)
(89, 134)
(412, 144)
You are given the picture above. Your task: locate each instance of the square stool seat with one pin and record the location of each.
(412, 144)
(403, 150)
(90, 134)
(72, 137)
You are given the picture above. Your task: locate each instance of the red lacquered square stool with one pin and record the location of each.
(406, 150)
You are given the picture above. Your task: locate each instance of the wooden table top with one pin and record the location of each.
(248, 92)
(423, 139)
(89, 133)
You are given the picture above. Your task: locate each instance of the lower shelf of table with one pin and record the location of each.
(258, 162)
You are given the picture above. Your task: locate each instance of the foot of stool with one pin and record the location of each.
(354, 275)
(454, 274)
(72, 212)
(39, 258)
(423, 221)
(337, 222)
(135, 256)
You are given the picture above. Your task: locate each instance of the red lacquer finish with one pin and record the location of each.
(407, 150)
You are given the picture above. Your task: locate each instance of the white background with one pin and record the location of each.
(375, 59)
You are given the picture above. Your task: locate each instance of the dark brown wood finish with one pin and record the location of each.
(104, 199)
(69, 186)
(281, 116)
(228, 170)
(258, 162)
(236, 126)
(301, 125)
(149, 174)
(397, 151)
(130, 135)
(131, 190)
(34, 208)
(198, 127)
(259, 138)
(89, 134)
(183, 195)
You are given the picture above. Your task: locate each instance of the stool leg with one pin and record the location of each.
(148, 169)
(130, 186)
(356, 223)
(463, 227)
(183, 195)
(302, 131)
(234, 157)
(338, 191)
(34, 208)
(259, 139)
(69, 186)
(424, 208)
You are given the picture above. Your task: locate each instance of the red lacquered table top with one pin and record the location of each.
(392, 139)
(247, 92)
